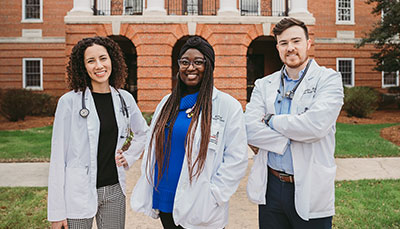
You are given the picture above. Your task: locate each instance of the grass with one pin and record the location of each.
(363, 140)
(359, 204)
(367, 204)
(23, 208)
(27, 145)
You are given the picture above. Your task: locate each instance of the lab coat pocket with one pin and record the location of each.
(323, 192)
(305, 103)
(76, 188)
(216, 135)
(206, 211)
(256, 184)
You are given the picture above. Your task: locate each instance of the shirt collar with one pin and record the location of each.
(288, 79)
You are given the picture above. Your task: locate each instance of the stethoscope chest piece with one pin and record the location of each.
(84, 112)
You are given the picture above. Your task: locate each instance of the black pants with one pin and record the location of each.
(167, 221)
(279, 212)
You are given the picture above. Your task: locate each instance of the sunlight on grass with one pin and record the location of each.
(363, 140)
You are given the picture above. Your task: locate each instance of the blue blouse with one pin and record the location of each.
(163, 197)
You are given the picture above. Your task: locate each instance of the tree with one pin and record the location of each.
(385, 35)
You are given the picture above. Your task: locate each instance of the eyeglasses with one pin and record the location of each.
(183, 63)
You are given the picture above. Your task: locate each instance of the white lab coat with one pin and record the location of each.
(72, 189)
(311, 128)
(204, 203)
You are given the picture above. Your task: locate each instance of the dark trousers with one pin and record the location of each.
(279, 211)
(167, 221)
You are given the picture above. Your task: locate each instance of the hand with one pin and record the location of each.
(59, 224)
(255, 149)
(120, 159)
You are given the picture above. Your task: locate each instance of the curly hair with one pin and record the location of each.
(78, 78)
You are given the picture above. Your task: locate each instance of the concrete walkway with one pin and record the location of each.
(36, 174)
(242, 213)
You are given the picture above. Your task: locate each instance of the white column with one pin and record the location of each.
(299, 8)
(228, 8)
(81, 7)
(155, 7)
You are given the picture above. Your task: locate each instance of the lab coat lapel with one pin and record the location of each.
(93, 125)
(117, 108)
(271, 92)
(304, 85)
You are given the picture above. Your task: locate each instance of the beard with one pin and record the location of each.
(296, 64)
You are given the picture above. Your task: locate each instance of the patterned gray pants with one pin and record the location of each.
(110, 210)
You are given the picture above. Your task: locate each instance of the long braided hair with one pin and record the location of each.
(169, 113)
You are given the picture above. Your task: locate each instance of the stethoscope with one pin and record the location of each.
(290, 94)
(84, 112)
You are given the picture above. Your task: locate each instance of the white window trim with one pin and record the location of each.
(351, 22)
(390, 85)
(24, 74)
(353, 75)
(24, 20)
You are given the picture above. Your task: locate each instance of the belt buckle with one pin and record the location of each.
(282, 175)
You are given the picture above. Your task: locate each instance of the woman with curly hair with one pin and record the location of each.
(93, 128)
(197, 152)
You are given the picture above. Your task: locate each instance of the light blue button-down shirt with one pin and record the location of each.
(282, 104)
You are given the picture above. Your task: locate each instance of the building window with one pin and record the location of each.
(346, 67)
(133, 7)
(32, 73)
(32, 10)
(344, 11)
(249, 7)
(390, 79)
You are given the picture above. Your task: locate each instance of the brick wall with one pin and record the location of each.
(53, 56)
(53, 18)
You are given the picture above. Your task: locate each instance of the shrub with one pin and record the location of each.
(43, 105)
(395, 91)
(16, 104)
(148, 116)
(360, 101)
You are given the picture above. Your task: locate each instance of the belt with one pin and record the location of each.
(284, 177)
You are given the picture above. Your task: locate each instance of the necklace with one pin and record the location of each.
(190, 111)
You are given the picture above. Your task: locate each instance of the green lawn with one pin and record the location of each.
(363, 140)
(23, 208)
(28, 145)
(367, 204)
(359, 204)
(351, 141)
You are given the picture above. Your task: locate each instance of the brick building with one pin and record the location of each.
(36, 37)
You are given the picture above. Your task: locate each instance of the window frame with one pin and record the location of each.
(390, 85)
(353, 75)
(24, 60)
(32, 20)
(351, 21)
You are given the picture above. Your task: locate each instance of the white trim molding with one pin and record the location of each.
(17, 40)
(351, 21)
(32, 20)
(353, 76)
(396, 84)
(40, 87)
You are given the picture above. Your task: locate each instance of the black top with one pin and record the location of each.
(106, 167)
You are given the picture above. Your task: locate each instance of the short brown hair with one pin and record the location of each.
(78, 78)
(286, 23)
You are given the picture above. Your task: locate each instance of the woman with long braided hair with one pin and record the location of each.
(196, 153)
